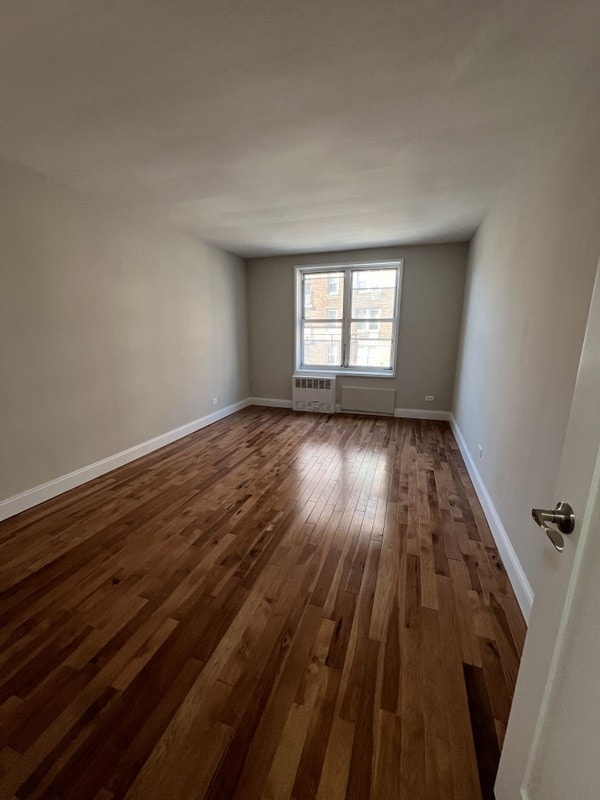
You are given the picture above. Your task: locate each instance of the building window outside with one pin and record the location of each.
(353, 329)
(333, 285)
(361, 313)
(370, 315)
(373, 317)
(332, 313)
(308, 296)
(333, 354)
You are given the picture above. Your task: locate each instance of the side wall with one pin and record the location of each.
(431, 306)
(111, 331)
(530, 280)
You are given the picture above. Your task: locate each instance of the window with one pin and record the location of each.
(374, 315)
(308, 296)
(333, 284)
(370, 314)
(347, 318)
(332, 313)
(333, 354)
(361, 313)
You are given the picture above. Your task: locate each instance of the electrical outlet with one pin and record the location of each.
(480, 450)
(429, 397)
(215, 401)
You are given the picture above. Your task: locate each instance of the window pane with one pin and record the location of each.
(373, 292)
(371, 348)
(322, 344)
(319, 301)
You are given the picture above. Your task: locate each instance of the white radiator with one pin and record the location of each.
(374, 401)
(313, 393)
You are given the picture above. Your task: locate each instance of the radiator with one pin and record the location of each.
(373, 401)
(313, 393)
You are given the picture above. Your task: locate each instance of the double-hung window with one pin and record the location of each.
(347, 318)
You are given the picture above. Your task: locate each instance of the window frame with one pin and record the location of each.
(346, 320)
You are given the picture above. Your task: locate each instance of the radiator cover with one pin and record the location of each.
(372, 401)
(313, 393)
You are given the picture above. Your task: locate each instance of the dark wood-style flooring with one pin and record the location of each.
(278, 606)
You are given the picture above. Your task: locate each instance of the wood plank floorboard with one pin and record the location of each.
(280, 606)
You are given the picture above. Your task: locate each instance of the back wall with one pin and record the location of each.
(430, 315)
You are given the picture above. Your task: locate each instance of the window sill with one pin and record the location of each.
(350, 373)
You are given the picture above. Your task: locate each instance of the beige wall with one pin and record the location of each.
(532, 266)
(432, 291)
(111, 331)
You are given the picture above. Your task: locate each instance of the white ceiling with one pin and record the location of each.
(287, 126)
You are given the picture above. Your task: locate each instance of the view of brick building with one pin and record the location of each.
(373, 294)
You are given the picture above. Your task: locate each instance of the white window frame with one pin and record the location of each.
(347, 269)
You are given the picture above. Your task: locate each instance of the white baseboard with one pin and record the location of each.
(269, 401)
(518, 579)
(421, 413)
(39, 494)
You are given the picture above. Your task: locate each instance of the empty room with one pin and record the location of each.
(299, 400)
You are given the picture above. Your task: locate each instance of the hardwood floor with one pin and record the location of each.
(279, 606)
